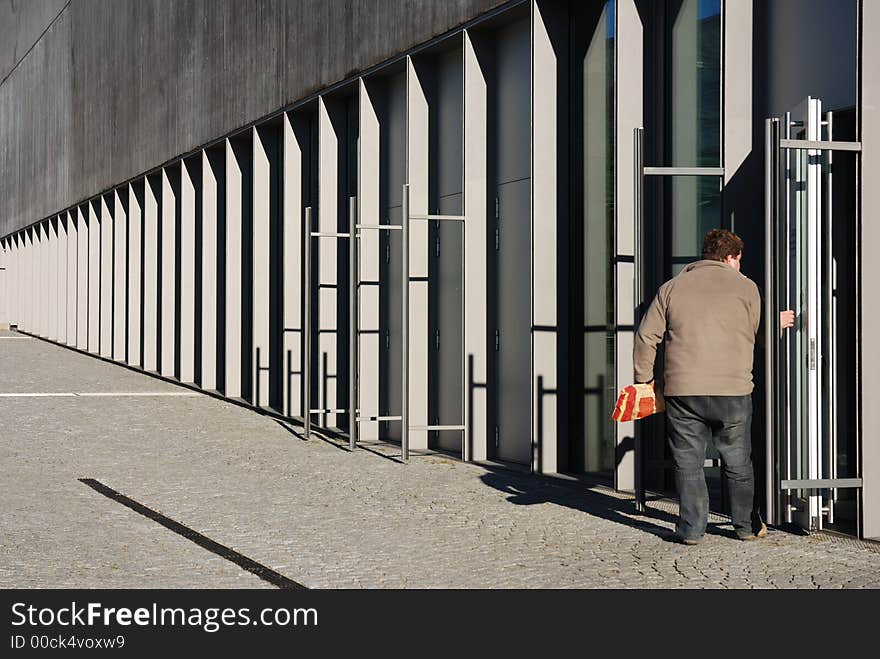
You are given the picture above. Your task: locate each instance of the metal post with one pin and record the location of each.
(307, 323)
(465, 454)
(639, 207)
(404, 387)
(769, 325)
(831, 318)
(352, 326)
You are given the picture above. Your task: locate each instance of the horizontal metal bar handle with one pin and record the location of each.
(821, 484)
(325, 234)
(378, 418)
(820, 145)
(328, 411)
(382, 227)
(684, 171)
(439, 218)
(461, 428)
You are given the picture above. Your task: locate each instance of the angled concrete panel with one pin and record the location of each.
(26, 280)
(94, 211)
(232, 384)
(209, 274)
(35, 301)
(368, 262)
(5, 271)
(292, 200)
(37, 274)
(14, 280)
(61, 274)
(261, 208)
(327, 251)
(106, 304)
(169, 247)
(47, 278)
(20, 278)
(417, 177)
(120, 272)
(43, 278)
(150, 239)
(629, 81)
(30, 308)
(36, 315)
(71, 279)
(737, 86)
(134, 276)
(5, 268)
(31, 301)
(20, 274)
(82, 278)
(44, 273)
(189, 184)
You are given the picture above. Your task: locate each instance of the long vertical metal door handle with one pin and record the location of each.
(307, 325)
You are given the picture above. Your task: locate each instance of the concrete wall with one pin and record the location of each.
(870, 318)
(113, 89)
(22, 23)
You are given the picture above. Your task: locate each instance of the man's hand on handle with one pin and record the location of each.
(786, 320)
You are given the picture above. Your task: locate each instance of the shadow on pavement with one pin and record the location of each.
(529, 489)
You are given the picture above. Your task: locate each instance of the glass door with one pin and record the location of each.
(679, 182)
(802, 366)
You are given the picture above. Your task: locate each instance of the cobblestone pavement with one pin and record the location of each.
(318, 514)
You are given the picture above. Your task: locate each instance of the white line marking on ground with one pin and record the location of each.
(86, 394)
(19, 338)
(139, 393)
(34, 395)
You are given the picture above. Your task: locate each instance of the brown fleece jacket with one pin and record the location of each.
(708, 315)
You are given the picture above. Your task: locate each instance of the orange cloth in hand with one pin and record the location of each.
(636, 402)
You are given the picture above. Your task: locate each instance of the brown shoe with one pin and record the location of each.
(685, 540)
(762, 531)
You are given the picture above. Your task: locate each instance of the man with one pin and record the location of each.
(709, 316)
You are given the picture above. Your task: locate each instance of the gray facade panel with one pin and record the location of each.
(870, 233)
(113, 89)
(811, 52)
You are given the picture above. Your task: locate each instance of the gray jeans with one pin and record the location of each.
(690, 422)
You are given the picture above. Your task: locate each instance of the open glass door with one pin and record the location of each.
(802, 367)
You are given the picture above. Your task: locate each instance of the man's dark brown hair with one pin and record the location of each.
(721, 243)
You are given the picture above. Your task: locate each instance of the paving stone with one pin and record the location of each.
(320, 515)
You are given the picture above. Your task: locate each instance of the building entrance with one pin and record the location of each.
(685, 203)
(812, 475)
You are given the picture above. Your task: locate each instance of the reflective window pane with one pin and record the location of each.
(598, 243)
(693, 124)
(696, 208)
